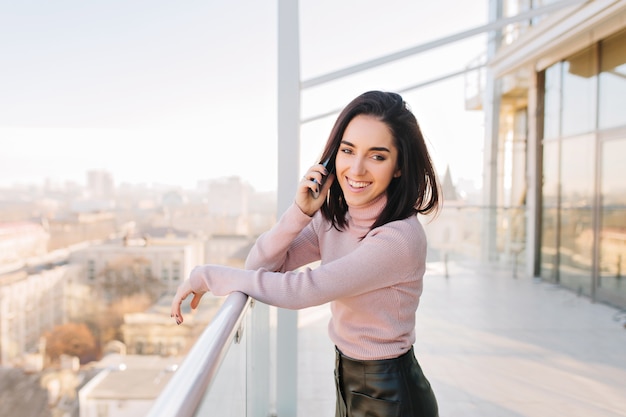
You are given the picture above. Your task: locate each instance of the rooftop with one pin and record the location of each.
(132, 376)
(120, 385)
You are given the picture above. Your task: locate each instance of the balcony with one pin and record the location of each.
(490, 342)
(474, 81)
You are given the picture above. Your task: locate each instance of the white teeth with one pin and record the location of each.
(358, 184)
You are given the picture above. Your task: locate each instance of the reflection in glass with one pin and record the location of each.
(513, 31)
(549, 212)
(583, 94)
(579, 86)
(613, 82)
(552, 102)
(612, 266)
(576, 222)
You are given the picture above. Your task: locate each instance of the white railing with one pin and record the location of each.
(186, 390)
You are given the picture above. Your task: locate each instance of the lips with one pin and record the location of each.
(357, 184)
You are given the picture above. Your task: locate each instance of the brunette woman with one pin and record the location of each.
(364, 229)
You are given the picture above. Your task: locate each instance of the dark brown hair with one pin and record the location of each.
(416, 190)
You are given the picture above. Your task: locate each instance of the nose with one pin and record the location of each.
(358, 166)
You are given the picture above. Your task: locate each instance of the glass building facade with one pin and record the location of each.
(566, 72)
(583, 207)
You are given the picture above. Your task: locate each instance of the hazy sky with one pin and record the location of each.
(176, 92)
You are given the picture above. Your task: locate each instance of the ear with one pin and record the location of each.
(397, 174)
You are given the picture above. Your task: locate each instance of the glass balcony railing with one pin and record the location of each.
(212, 378)
(478, 234)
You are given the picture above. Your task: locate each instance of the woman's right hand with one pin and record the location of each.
(183, 291)
(311, 182)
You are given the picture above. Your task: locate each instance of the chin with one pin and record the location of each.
(356, 202)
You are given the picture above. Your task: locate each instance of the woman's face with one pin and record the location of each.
(367, 160)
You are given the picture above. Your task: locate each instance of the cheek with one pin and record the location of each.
(340, 164)
(387, 174)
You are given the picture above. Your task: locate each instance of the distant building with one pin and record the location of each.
(32, 301)
(21, 394)
(447, 187)
(76, 227)
(228, 249)
(166, 259)
(100, 185)
(262, 213)
(235, 209)
(192, 218)
(21, 240)
(454, 233)
(126, 386)
(227, 214)
(224, 207)
(154, 332)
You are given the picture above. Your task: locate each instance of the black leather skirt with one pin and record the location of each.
(383, 388)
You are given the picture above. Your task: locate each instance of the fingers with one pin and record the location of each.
(195, 301)
(175, 311)
(176, 314)
(314, 177)
(309, 190)
(181, 294)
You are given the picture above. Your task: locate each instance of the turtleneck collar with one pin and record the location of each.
(363, 217)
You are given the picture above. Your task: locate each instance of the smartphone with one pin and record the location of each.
(329, 167)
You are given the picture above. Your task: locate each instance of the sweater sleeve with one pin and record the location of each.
(388, 255)
(291, 243)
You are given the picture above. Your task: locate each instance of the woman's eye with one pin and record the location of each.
(346, 150)
(378, 157)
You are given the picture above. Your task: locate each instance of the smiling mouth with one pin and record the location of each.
(357, 184)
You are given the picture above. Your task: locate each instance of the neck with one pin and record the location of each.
(364, 216)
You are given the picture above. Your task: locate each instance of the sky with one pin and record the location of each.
(179, 92)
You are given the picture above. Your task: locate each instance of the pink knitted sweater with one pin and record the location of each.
(373, 284)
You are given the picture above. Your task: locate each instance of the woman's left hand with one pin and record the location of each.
(184, 289)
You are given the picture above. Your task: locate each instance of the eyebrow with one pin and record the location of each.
(375, 148)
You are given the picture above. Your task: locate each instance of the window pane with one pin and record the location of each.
(612, 282)
(549, 215)
(576, 225)
(613, 82)
(579, 104)
(552, 102)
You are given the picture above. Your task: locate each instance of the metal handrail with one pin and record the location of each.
(185, 390)
(386, 59)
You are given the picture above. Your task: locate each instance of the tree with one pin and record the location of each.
(74, 339)
(110, 323)
(126, 276)
(126, 285)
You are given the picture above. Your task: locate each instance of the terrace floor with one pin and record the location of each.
(494, 346)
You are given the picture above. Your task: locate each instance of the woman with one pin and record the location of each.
(372, 250)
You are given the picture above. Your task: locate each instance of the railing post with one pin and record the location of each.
(288, 166)
(258, 357)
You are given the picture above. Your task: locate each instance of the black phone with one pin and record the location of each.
(329, 167)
